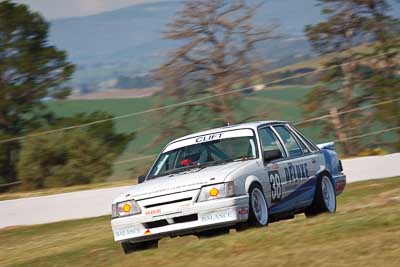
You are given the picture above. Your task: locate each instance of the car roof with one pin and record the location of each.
(247, 125)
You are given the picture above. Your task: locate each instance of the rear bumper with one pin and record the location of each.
(198, 217)
(340, 183)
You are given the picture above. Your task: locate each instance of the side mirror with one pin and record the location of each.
(141, 179)
(270, 155)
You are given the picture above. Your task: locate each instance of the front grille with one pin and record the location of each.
(156, 224)
(180, 219)
(169, 202)
(187, 218)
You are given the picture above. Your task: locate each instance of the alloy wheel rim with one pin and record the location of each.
(328, 194)
(259, 206)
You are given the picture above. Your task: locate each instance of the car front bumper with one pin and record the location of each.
(195, 218)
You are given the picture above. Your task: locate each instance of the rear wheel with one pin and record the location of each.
(128, 247)
(258, 215)
(324, 199)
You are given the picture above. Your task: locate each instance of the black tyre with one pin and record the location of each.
(128, 247)
(324, 199)
(258, 208)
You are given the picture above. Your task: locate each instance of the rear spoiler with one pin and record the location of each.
(329, 145)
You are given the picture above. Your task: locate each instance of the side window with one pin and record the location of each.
(303, 146)
(299, 140)
(289, 141)
(269, 141)
(308, 142)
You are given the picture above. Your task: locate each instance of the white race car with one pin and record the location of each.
(230, 177)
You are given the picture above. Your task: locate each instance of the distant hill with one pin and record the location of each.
(136, 30)
(128, 41)
(111, 36)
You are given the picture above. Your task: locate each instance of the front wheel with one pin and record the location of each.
(324, 199)
(258, 207)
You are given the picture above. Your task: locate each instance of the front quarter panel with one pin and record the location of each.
(243, 184)
(254, 179)
(246, 176)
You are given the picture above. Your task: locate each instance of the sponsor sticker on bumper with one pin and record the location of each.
(127, 232)
(217, 216)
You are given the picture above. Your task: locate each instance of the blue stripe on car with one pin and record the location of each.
(302, 193)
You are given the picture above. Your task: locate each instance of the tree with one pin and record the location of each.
(383, 80)
(354, 30)
(104, 132)
(78, 156)
(30, 71)
(218, 44)
(63, 159)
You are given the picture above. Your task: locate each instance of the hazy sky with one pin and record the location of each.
(53, 9)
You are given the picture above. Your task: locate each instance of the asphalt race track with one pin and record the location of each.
(93, 203)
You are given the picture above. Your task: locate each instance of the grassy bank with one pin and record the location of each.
(364, 231)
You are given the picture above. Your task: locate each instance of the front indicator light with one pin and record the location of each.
(214, 192)
(125, 208)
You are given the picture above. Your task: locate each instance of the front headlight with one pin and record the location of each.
(216, 191)
(129, 207)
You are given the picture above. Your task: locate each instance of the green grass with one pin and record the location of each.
(289, 94)
(365, 231)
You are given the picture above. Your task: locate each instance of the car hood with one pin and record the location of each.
(184, 181)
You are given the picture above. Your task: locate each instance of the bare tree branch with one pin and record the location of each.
(219, 44)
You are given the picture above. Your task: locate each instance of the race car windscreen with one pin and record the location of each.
(204, 151)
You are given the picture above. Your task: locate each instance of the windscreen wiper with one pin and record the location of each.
(213, 163)
(243, 158)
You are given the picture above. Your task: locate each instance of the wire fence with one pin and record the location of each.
(206, 98)
(183, 103)
(302, 122)
(367, 134)
(346, 111)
